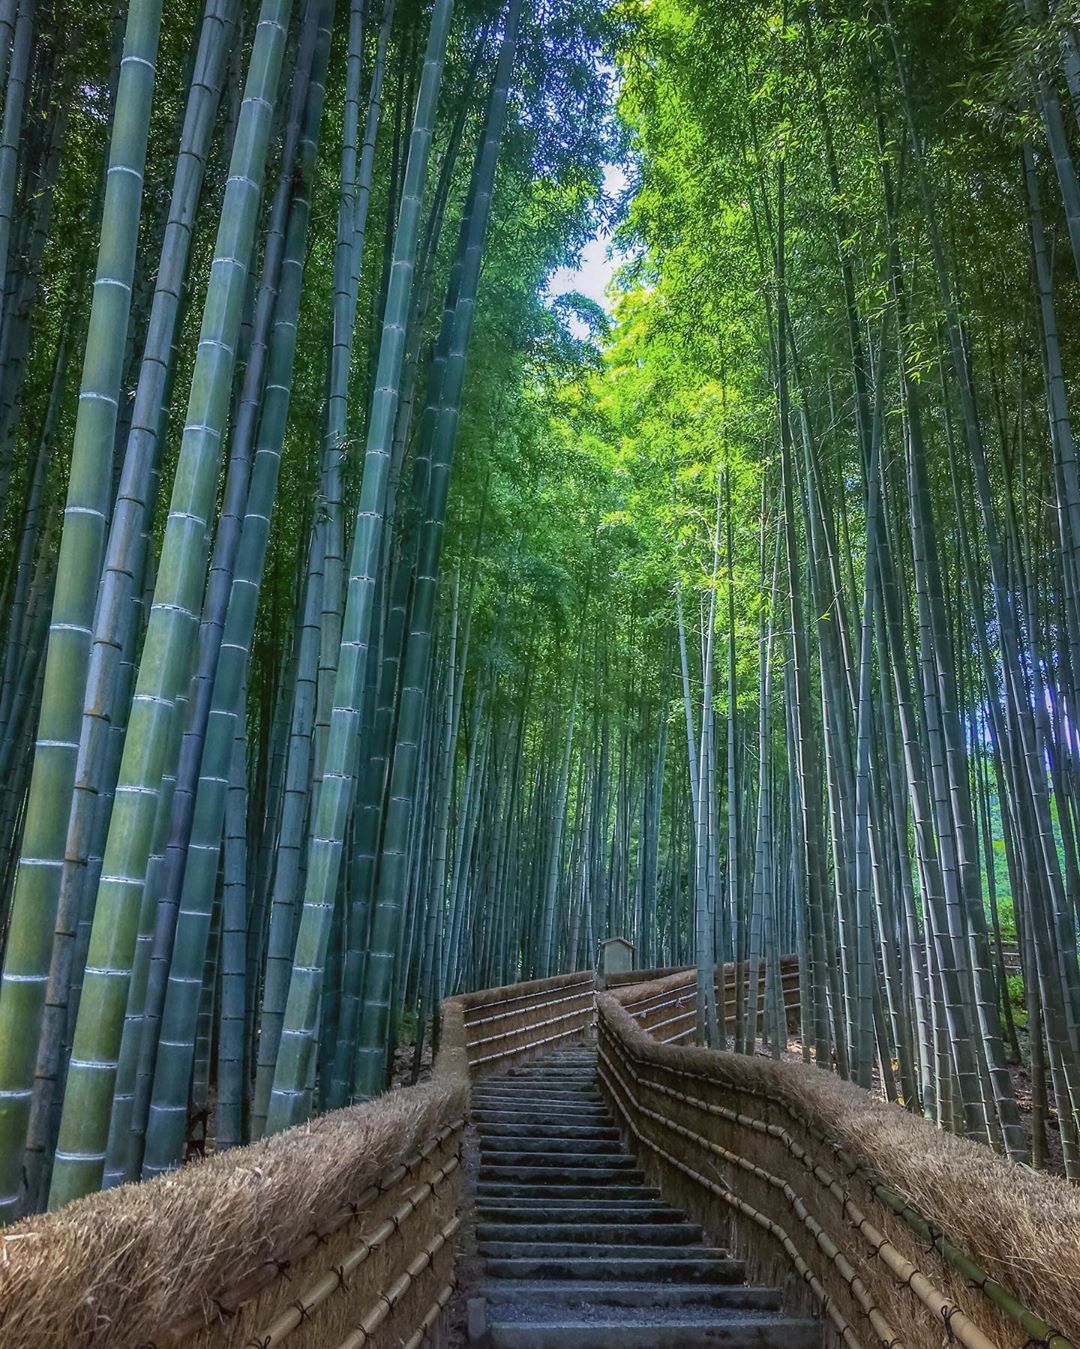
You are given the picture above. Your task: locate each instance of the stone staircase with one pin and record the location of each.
(578, 1251)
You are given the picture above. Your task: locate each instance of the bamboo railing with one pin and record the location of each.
(667, 1006)
(518, 1020)
(341, 1232)
(818, 1186)
(338, 1234)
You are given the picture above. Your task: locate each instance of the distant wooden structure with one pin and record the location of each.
(616, 956)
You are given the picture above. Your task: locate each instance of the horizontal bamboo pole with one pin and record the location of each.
(691, 1014)
(580, 979)
(905, 1272)
(689, 995)
(789, 978)
(632, 977)
(647, 1001)
(552, 1002)
(526, 1018)
(1038, 1330)
(641, 1013)
(373, 1318)
(533, 1044)
(333, 1282)
(430, 1317)
(689, 1001)
(531, 1025)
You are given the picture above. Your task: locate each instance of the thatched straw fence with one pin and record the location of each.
(666, 1006)
(525, 1019)
(898, 1234)
(337, 1233)
(623, 977)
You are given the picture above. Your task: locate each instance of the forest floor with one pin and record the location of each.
(1021, 1080)
(401, 1074)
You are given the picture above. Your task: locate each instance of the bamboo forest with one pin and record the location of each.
(479, 479)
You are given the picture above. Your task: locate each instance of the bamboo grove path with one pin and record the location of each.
(628, 1189)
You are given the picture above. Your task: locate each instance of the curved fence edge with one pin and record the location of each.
(900, 1233)
(337, 1233)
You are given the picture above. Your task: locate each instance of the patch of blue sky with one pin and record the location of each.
(598, 262)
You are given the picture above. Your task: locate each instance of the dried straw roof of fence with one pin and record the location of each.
(1021, 1226)
(115, 1268)
(505, 992)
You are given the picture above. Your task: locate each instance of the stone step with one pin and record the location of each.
(517, 1246)
(569, 1083)
(550, 1144)
(584, 1191)
(623, 1267)
(541, 1100)
(589, 1173)
(548, 1129)
(580, 1253)
(555, 1157)
(583, 1072)
(533, 1086)
(515, 1209)
(636, 1232)
(571, 1073)
(548, 1108)
(584, 1115)
(660, 1329)
(574, 1293)
(562, 1087)
(547, 1105)
(580, 1062)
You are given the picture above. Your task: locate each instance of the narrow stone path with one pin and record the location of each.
(577, 1250)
